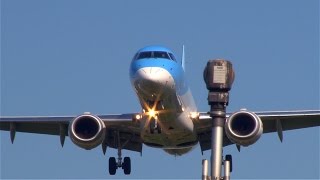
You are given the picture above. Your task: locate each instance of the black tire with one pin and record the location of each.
(126, 166)
(229, 158)
(112, 166)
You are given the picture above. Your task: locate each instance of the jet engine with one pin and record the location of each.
(87, 131)
(243, 128)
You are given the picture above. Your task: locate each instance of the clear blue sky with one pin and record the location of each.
(68, 57)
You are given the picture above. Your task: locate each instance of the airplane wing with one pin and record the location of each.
(129, 131)
(273, 121)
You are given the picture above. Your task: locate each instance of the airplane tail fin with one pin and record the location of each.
(183, 59)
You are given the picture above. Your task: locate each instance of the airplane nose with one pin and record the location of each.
(153, 79)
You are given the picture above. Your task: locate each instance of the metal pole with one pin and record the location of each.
(205, 175)
(226, 170)
(218, 76)
(216, 152)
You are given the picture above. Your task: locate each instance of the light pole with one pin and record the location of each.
(218, 76)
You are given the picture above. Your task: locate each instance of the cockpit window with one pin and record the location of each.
(135, 56)
(154, 54)
(143, 55)
(160, 54)
(172, 56)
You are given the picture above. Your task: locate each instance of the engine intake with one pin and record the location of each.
(87, 131)
(244, 128)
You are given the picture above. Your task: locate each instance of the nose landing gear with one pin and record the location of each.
(154, 126)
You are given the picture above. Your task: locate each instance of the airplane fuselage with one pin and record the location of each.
(166, 100)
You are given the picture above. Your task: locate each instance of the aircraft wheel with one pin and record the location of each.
(112, 166)
(229, 158)
(126, 166)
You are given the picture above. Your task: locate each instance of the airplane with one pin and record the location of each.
(168, 120)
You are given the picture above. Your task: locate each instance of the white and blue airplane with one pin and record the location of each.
(168, 119)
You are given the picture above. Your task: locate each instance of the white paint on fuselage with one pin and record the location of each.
(156, 84)
(153, 82)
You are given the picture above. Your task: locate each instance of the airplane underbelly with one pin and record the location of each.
(176, 133)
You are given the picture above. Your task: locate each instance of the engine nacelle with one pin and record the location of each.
(87, 131)
(244, 128)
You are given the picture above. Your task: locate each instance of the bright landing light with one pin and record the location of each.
(152, 113)
(138, 116)
(194, 115)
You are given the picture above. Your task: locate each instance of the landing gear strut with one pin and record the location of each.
(154, 126)
(114, 163)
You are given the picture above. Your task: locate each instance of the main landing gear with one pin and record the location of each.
(114, 163)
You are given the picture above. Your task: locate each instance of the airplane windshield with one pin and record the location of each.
(172, 56)
(155, 54)
(159, 54)
(144, 55)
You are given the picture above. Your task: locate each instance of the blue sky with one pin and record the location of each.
(69, 57)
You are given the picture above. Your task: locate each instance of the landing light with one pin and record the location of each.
(138, 117)
(152, 113)
(194, 115)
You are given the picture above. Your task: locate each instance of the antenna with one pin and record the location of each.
(183, 59)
